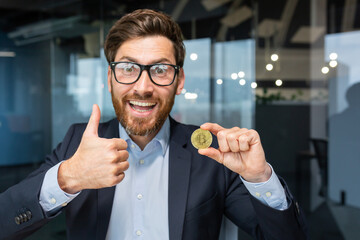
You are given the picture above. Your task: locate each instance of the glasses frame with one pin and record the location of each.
(147, 68)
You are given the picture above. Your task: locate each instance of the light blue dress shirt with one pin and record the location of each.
(140, 206)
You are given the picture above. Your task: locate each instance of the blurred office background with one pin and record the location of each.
(287, 68)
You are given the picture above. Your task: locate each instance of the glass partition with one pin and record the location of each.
(286, 68)
(341, 53)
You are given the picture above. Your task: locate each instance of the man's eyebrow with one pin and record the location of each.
(131, 59)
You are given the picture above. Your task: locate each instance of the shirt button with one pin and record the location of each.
(138, 232)
(132, 145)
(139, 196)
(257, 194)
(268, 194)
(142, 161)
(52, 200)
(64, 204)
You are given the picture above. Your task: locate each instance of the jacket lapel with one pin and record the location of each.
(179, 174)
(105, 196)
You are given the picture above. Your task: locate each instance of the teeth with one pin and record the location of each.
(142, 104)
(138, 110)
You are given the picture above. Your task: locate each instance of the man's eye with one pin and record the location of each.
(127, 68)
(160, 69)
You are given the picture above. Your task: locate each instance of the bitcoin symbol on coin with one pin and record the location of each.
(201, 138)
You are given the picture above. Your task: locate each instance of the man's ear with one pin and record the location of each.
(109, 79)
(181, 81)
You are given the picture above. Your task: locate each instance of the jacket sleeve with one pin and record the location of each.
(260, 220)
(21, 213)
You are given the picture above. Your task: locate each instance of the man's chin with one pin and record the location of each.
(140, 131)
(140, 127)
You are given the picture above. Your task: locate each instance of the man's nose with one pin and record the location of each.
(144, 85)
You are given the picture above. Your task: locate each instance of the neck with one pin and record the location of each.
(142, 141)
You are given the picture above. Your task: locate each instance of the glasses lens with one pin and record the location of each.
(126, 72)
(162, 74)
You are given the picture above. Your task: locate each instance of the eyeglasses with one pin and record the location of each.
(161, 74)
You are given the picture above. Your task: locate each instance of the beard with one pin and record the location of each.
(142, 126)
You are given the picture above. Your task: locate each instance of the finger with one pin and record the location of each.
(247, 139)
(121, 176)
(214, 128)
(117, 144)
(117, 156)
(212, 153)
(222, 140)
(120, 168)
(233, 138)
(123, 166)
(118, 178)
(93, 124)
(123, 156)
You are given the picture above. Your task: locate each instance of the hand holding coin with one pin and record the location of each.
(240, 150)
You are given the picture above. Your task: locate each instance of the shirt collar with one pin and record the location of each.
(161, 137)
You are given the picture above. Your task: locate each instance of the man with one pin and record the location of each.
(139, 177)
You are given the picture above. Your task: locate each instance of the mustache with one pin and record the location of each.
(136, 96)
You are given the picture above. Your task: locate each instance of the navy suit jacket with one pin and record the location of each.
(201, 191)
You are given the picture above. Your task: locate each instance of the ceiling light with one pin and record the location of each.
(274, 57)
(219, 81)
(191, 96)
(333, 63)
(325, 70)
(278, 82)
(241, 74)
(269, 67)
(333, 56)
(7, 54)
(242, 82)
(193, 56)
(253, 85)
(234, 76)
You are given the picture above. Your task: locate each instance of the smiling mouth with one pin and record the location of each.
(142, 106)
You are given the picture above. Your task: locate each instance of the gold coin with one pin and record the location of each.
(201, 138)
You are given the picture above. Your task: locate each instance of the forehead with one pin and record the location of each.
(147, 49)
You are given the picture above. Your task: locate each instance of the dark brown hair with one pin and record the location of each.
(142, 23)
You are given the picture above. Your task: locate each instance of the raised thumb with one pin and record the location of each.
(93, 124)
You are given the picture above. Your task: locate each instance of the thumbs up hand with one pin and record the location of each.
(97, 163)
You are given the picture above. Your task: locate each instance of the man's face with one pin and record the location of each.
(142, 107)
